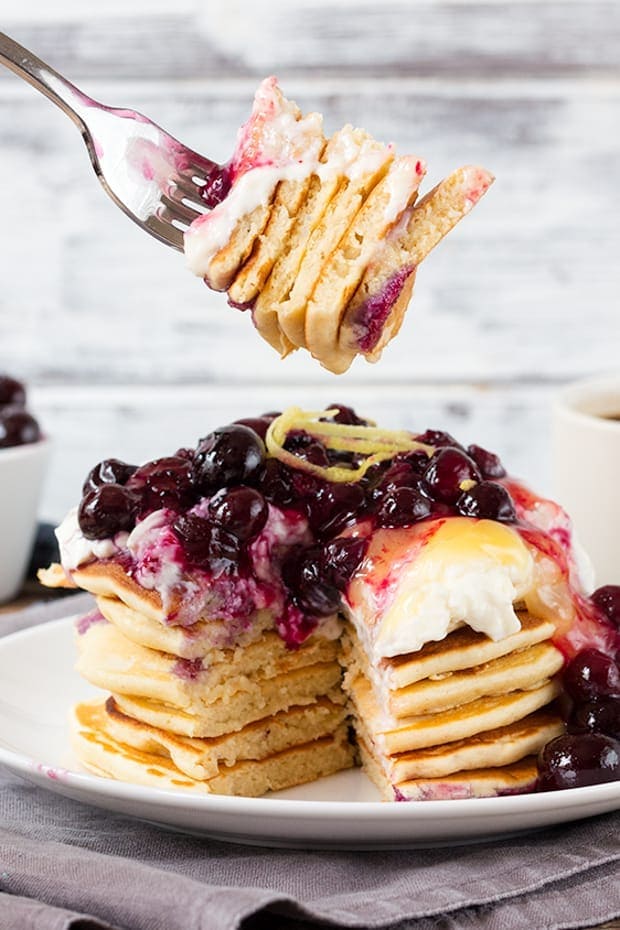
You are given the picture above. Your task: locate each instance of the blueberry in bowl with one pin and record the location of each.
(24, 453)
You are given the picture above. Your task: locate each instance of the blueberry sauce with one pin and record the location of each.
(241, 305)
(371, 316)
(217, 185)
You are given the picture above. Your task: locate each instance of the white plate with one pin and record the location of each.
(38, 685)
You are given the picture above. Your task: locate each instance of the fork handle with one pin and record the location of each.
(29, 67)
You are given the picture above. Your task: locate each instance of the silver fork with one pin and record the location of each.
(151, 176)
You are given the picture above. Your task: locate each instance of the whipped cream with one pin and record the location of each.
(157, 555)
(76, 550)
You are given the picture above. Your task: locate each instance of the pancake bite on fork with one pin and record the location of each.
(304, 591)
(320, 238)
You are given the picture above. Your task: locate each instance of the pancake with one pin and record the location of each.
(347, 263)
(419, 732)
(198, 718)
(235, 230)
(204, 758)
(267, 312)
(186, 642)
(491, 749)
(188, 625)
(353, 193)
(109, 579)
(464, 648)
(320, 238)
(517, 671)
(516, 778)
(375, 312)
(108, 660)
(104, 755)
(483, 764)
(227, 260)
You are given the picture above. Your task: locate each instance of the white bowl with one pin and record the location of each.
(22, 470)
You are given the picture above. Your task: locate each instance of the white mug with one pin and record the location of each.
(586, 468)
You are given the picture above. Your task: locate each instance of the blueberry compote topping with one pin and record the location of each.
(317, 575)
(194, 534)
(592, 675)
(281, 531)
(607, 599)
(403, 506)
(307, 448)
(489, 464)
(17, 426)
(345, 415)
(240, 511)
(260, 425)
(165, 482)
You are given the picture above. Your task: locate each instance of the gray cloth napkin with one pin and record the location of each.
(67, 865)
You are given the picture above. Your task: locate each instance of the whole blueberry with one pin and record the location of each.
(17, 427)
(12, 392)
(241, 511)
(109, 471)
(106, 511)
(230, 455)
(446, 472)
(487, 500)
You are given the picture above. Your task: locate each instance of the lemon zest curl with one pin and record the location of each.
(374, 443)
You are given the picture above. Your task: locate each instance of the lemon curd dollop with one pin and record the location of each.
(424, 581)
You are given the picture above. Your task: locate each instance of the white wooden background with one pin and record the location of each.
(128, 354)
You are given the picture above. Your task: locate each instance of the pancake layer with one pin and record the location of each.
(443, 722)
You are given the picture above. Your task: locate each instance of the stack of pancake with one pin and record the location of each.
(321, 238)
(462, 717)
(183, 710)
(438, 641)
